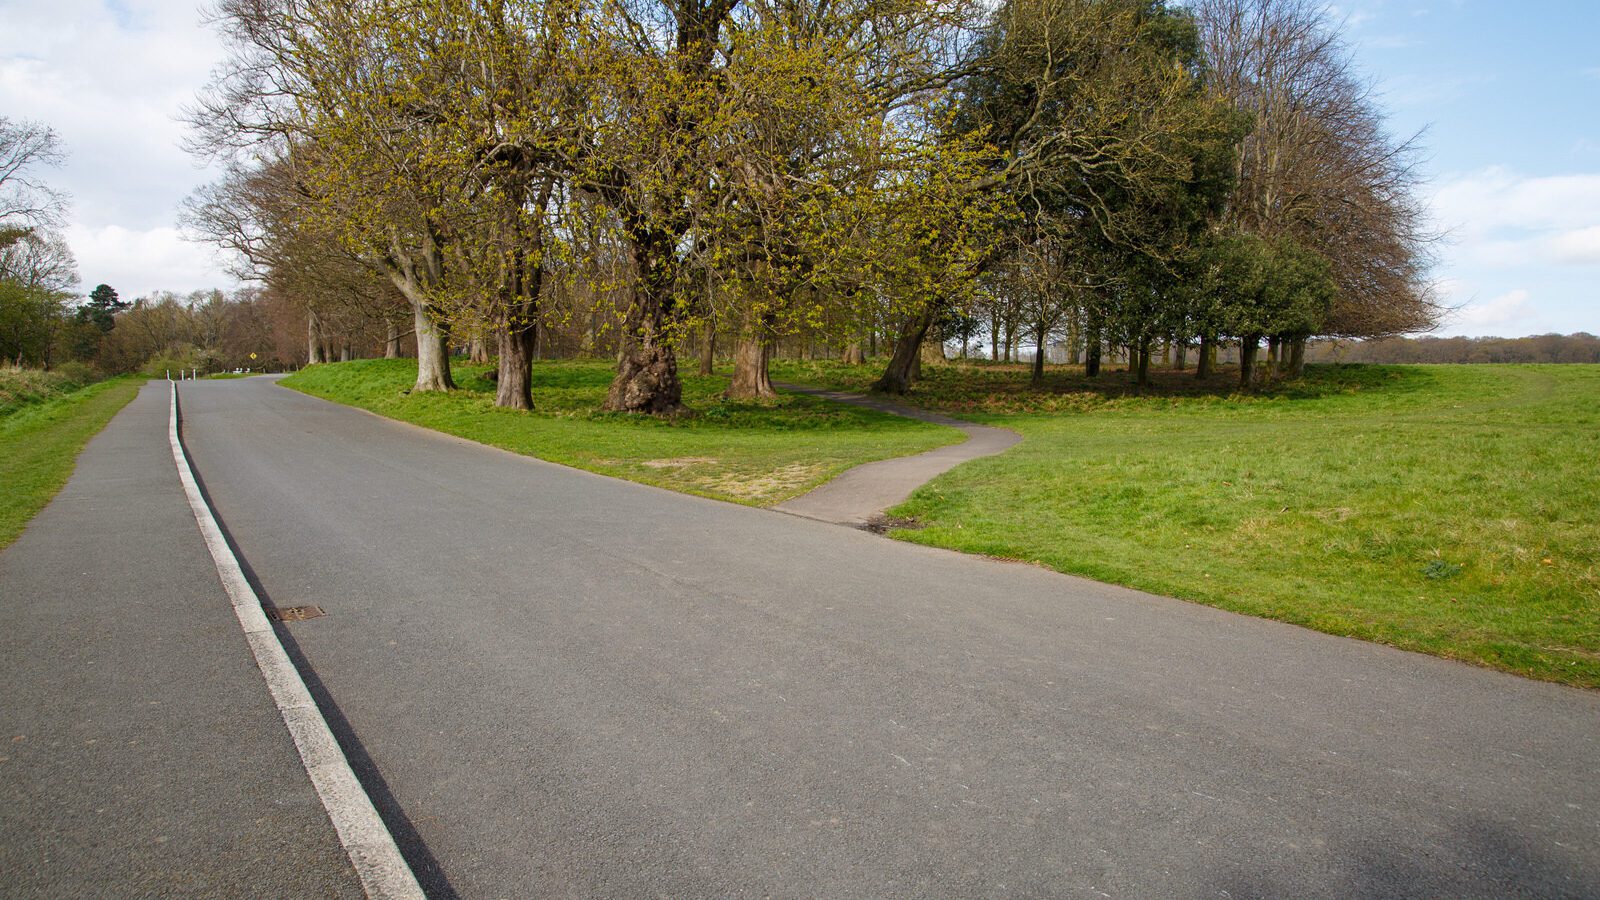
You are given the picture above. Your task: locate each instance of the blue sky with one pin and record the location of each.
(1509, 94)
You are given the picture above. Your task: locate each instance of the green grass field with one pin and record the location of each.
(757, 454)
(1453, 510)
(43, 428)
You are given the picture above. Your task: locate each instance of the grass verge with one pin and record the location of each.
(752, 453)
(1453, 510)
(40, 443)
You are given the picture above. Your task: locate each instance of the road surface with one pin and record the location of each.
(557, 684)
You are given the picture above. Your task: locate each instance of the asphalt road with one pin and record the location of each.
(557, 684)
(140, 754)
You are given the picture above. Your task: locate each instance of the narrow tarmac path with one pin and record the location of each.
(859, 496)
(563, 684)
(140, 752)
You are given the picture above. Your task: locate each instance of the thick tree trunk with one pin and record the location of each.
(751, 380)
(344, 352)
(751, 354)
(853, 355)
(518, 339)
(1297, 358)
(1182, 355)
(1202, 367)
(1273, 359)
(391, 341)
(903, 365)
(314, 352)
(514, 372)
(647, 366)
(1142, 355)
(433, 352)
(1248, 347)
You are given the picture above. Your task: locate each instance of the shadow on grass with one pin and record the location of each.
(981, 386)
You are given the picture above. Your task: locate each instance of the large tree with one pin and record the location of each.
(1317, 169)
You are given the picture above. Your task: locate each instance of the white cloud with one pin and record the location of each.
(1497, 198)
(1506, 309)
(112, 79)
(1499, 218)
(1579, 246)
(139, 262)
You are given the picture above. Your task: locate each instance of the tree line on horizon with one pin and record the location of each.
(1579, 347)
(664, 178)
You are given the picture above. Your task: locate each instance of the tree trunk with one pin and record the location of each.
(1297, 358)
(708, 349)
(1038, 356)
(314, 353)
(1142, 353)
(853, 355)
(1202, 367)
(518, 338)
(903, 365)
(994, 334)
(647, 367)
(751, 354)
(932, 351)
(391, 341)
(1091, 344)
(514, 372)
(1183, 355)
(1248, 347)
(1272, 357)
(433, 352)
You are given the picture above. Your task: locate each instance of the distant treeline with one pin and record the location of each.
(1540, 348)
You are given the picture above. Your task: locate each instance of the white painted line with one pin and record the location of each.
(367, 841)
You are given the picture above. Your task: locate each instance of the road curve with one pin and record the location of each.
(860, 495)
(560, 684)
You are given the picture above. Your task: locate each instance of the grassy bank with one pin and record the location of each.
(1453, 510)
(44, 424)
(751, 453)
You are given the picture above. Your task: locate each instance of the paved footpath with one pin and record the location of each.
(140, 753)
(558, 684)
(860, 495)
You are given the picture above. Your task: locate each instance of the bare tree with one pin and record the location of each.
(1317, 166)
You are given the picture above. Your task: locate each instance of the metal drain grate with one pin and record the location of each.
(293, 613)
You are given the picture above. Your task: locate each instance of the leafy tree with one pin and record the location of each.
(102, 308)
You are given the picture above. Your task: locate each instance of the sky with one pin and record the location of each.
(1506, 96)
